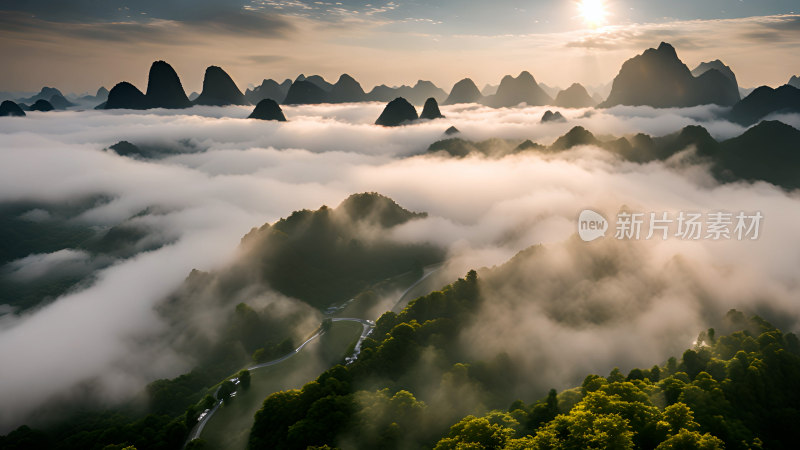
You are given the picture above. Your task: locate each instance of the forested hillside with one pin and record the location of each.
(734, 391)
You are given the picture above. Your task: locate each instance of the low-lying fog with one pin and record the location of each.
(233, 174)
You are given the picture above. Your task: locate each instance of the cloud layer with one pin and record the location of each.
(243, 173)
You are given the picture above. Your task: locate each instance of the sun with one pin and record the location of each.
(594, 12)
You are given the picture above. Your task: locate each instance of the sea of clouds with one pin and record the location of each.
(238, 174)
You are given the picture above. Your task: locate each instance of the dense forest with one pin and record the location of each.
(738, 390)
(733, 391)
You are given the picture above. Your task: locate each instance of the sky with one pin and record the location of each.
(80, 45)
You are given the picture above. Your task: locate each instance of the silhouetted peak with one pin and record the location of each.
(715, 65)
(102, 93)
(695, 132)
(574, 96)
(767, 128)
(164, 88)
(397, 112)
(125, 96)
(9, 108)
(526, 77)
(528, 145)
(41, 105)
(465, 91)
(125, 148)
(431, 110)
(765, 100)
(219, 89)
(59, 102)
(794, 81)
(550, 116)
(346, 79)
(451, 131)
(576, 136)
(668, 50)
(522, 89)
(658, 78)
(320, 82)
(305, 92)
(347, 89)
(268, 109)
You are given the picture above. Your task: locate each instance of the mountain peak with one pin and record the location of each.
(658, 78)
(125, 96)
(513, 91)
(268, 109)
(465, 91)
(574, 96)
(164, 88)
(576, 136)
(431, 110)
(376, 208)
(667, 48)
(347, 89)
(397, 112)
(717, 65)
(9, 108)
(525, 75)
(219, 89)
(305, 92)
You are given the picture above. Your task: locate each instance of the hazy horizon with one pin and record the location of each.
(81, 48)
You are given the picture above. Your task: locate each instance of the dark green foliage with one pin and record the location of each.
(96, 431)
(225, 390)
(273, 351)
(752, 403)
(244, 378)
(322, 258)
(327, 408)
(196, 444)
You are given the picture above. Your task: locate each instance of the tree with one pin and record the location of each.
(679, 417)
(225, 390)
(196, 444)
(484, 432)
(691, 440)
(244, 379)
(655, 373)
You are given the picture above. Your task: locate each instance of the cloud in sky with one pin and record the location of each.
(252, 172)
(388, 42)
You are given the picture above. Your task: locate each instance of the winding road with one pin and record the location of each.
(368, 326)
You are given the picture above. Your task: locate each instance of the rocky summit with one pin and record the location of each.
(268, 109)
(397, 112)
(219, 89)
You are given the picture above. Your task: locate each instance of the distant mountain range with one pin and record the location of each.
(766, 152)
(656, 78)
